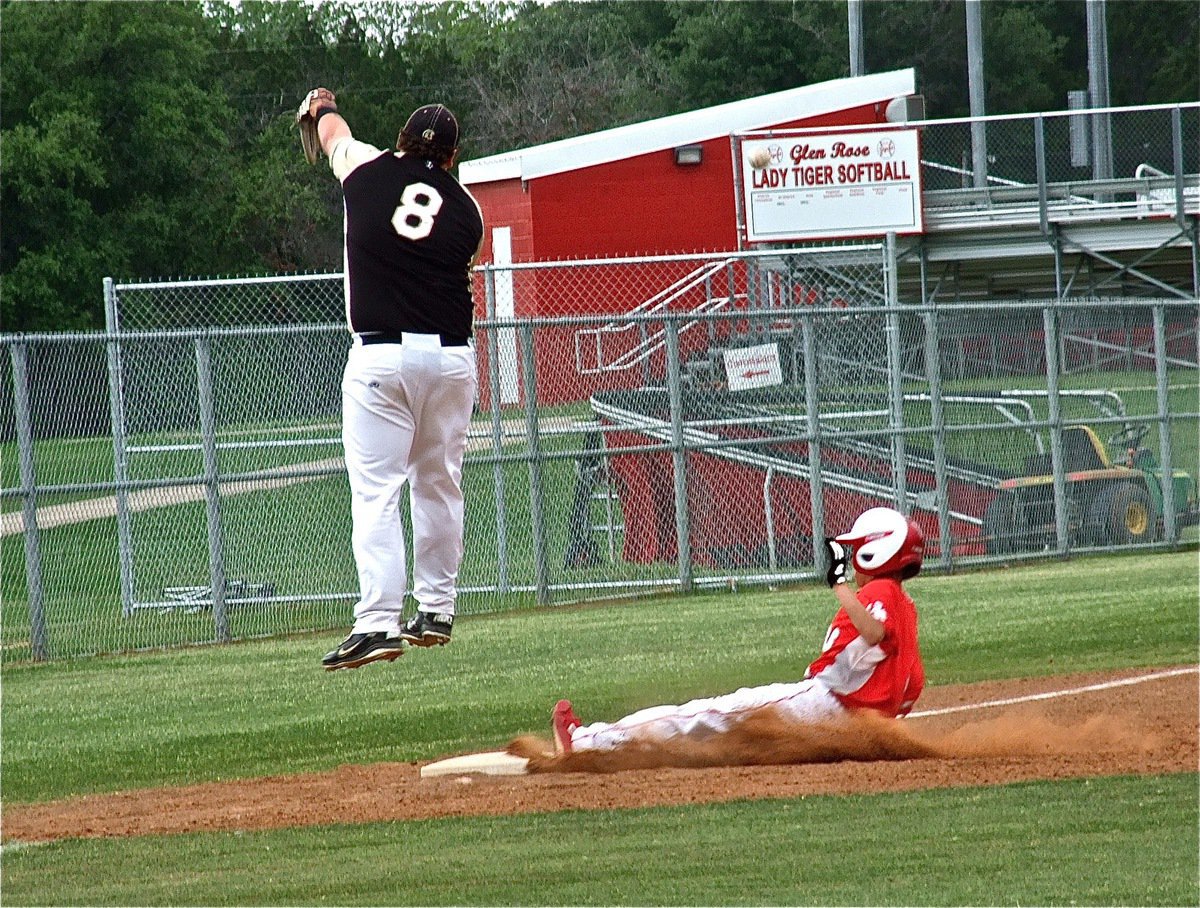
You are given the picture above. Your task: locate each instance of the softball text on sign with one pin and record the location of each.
(822, 186)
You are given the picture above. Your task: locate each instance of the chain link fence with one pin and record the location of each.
(644, 424)
(740, 407)
(1078, 151)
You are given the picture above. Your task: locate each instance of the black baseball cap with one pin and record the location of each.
(434, 123)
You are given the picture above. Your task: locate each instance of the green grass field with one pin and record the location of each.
(1067, 843)
(264, 707)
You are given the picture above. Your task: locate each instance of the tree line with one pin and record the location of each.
(151, 140)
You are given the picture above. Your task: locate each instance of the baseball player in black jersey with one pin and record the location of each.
(412, 234)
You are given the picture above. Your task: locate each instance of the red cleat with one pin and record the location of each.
(565, 722)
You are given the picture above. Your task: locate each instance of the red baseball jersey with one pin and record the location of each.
(887, 677)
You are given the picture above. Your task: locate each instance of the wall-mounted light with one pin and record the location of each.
(689, 155)
(909, 109)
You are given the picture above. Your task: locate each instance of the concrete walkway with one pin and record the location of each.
(51, 516)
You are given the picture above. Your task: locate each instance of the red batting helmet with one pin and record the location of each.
(885, 542)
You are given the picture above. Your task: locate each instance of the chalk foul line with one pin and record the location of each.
(1107, 685)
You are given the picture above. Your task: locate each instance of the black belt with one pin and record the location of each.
(448, 340)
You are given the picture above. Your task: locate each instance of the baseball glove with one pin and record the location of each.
(316, 101)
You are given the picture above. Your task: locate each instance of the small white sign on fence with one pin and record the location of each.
(753, 367)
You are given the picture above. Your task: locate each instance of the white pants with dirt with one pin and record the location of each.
(405, 413)
(805, 701)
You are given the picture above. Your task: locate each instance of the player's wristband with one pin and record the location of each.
(321, 111)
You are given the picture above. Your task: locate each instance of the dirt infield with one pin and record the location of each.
(1150, 726)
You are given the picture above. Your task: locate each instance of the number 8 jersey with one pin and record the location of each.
(412, 234)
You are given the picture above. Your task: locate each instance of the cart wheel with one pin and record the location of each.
(1124, 514)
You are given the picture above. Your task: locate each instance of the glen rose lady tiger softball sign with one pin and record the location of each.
(826, 185)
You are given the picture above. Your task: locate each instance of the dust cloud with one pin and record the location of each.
(768, 738)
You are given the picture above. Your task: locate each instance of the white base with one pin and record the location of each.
(492, 763)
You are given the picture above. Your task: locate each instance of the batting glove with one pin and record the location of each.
(838, 563)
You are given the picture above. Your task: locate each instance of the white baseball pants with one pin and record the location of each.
(405, 413)
(805, 701)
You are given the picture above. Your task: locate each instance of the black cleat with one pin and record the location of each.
(359, 649)
(427, 629)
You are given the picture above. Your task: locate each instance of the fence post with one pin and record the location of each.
(1177, 160)
(536, 492)
(975, 92)
(896, 378)
(116, 412)
(937, 416)
(769, 518)
(1039, 156)
(1170, 530)
(33, 551)
(493, 340)
(1050, 326)
(212, 489)
(679, 457)
(739, 206)
(812, 408)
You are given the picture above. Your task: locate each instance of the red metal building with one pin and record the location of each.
(625, 191)
(653, 188)
(660, 187)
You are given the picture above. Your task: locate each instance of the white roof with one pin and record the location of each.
(686, 128)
